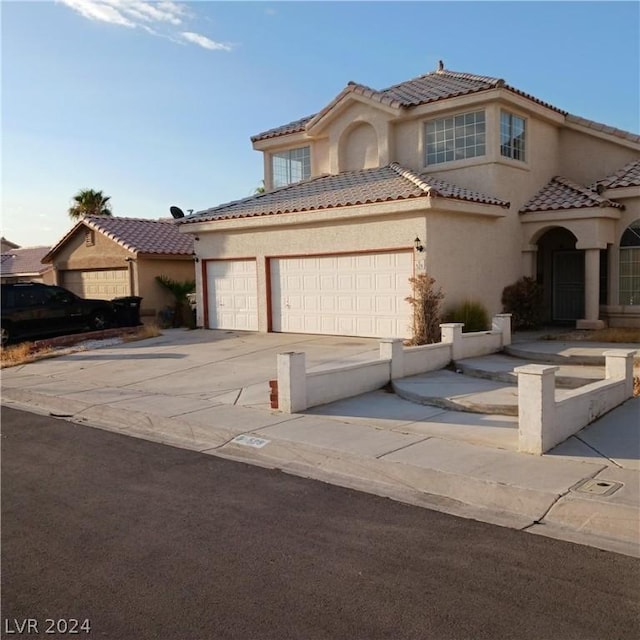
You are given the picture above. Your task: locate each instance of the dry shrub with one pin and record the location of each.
(22, 353)
(151, 330)
(615, 334)
(426, 302)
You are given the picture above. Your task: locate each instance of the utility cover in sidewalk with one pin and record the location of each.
(597, 487)
(250, 441)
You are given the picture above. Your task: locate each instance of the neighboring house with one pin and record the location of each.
(108, 257)
(7, 245)
(459, 175)
(25, 265)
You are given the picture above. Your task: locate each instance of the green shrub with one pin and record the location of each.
(182, 314)
(472, 313)
(426, 301)
(524, 301)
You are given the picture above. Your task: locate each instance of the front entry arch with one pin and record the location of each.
(560, 270)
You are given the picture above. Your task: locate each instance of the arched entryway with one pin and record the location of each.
(560, 269)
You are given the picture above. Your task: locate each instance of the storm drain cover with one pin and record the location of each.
(597, 487)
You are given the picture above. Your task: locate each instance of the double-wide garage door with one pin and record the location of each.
(99, 284)
(349, 295)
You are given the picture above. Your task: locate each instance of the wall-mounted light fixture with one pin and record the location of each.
(195, 258)
(418, 245)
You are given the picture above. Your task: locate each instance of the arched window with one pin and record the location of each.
(630, 264)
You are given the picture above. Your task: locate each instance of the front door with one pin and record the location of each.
(568, 286)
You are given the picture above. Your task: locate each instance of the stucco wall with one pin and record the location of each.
(103, 254)
(472, 258)
(155, 297)
(359, 148)
(585, 158)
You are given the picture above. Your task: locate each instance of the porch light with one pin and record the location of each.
(418, 245)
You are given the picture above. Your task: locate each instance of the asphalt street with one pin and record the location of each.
(145, 541)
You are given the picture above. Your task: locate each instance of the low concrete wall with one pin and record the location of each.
(330, 384)
(545, 422)
(299, 390)
(429, 357)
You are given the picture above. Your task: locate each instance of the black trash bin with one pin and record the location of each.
(127, 311)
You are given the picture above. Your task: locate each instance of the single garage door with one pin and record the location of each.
(232, 294)
(347, 295)
(100, 284)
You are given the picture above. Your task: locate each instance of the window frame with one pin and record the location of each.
(628, 257)
(508, 144)
(285, 155)
(448, 138)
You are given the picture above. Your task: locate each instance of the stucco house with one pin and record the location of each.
(459, 175)
(106, 257)
(24, 264)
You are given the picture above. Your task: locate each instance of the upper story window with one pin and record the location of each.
(455, 138)
(290, 166)
(512, 136)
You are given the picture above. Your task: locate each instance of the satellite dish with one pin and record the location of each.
(176, 212)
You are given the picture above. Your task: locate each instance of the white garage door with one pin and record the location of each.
(100, 284)
(347, 295)
(232, 294)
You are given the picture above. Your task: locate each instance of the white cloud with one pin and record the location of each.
(204, 42)
(100, 11)
(156, 18)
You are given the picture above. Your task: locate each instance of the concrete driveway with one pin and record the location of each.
(196, 368)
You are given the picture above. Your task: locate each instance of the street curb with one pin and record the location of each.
(465, 496)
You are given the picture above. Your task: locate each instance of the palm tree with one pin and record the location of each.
(88, 202)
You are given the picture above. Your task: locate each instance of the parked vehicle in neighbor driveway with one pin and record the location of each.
(33, 310)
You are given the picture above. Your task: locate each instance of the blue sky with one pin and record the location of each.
(154, 102)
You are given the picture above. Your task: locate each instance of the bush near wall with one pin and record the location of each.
(472, 314)
(426, 301)
(523, 300)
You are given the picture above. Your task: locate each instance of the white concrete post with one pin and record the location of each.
(502, 322)
(452, 334)
(591, 291)
(292, 382)
(392, 349)
(536, 407)
(619, 366)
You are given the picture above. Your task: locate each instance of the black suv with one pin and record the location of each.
(32, 309)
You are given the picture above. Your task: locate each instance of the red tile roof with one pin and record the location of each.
(628, 176)
(138, 235)
(430, 87)
(386, 184)
(24, 262)
(561, 193)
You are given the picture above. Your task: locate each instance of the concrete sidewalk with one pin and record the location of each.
(207, 391)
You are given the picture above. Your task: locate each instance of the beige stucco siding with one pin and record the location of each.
(103, 254)
(586, 158)
(154, 296)
(363, 234)
(471, 258)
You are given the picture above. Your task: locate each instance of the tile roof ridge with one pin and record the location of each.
(585, 191)
(413, 177)
(616, 175)
(600, 126)
(255, 196)
(368, 92)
